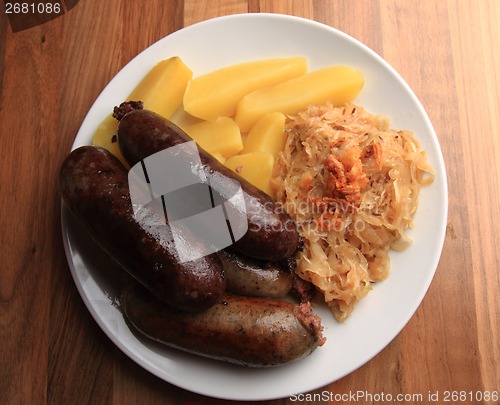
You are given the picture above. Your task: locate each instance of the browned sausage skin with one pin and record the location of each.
(271, 235)
(256, 332)
(254, 278)
(94, 186)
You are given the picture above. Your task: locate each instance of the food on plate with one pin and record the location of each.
(351, 183)
(161, 91)
(255, 332)
(271, 234)
(279, 85)
(255, 162)
(254, 278)
(328, 189)
(336, 84)
(216, 94)
(94, 185)
(221, 137)
(255, 167)
(163, 88)
(267, 135)
(105, 137)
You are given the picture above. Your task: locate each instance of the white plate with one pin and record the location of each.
(380, 316)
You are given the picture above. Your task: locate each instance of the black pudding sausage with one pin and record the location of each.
(272, 234)
(255, 332)
(94, 185)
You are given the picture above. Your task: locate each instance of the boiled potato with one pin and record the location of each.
(161, 91)
(220, 137)
(255, 167)
(163, 88)
(219, 157)
(217, 93)
(337, 84)
(105, 136)
(267, 135)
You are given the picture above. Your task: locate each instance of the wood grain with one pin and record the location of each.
(52, 351)
(476, 61)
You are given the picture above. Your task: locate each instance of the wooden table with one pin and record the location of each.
(52, 351)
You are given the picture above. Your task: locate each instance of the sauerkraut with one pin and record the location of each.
(351, 183)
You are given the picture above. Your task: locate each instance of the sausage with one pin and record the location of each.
(272, 235)
(254, 278)
(94, 186)
(256, 332)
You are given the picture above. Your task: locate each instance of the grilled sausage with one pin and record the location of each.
(254, 278)
(271, 235)
(255, 332)
(94, 185)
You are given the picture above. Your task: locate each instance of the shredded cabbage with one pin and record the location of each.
(351, 184)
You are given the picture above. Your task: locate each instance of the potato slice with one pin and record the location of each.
(267, 135)
(105, 136)
(221, 137)
(219, 157)
(255, 167)
(217, 93)
(163, 88)
(161, 91)
(337, 84)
